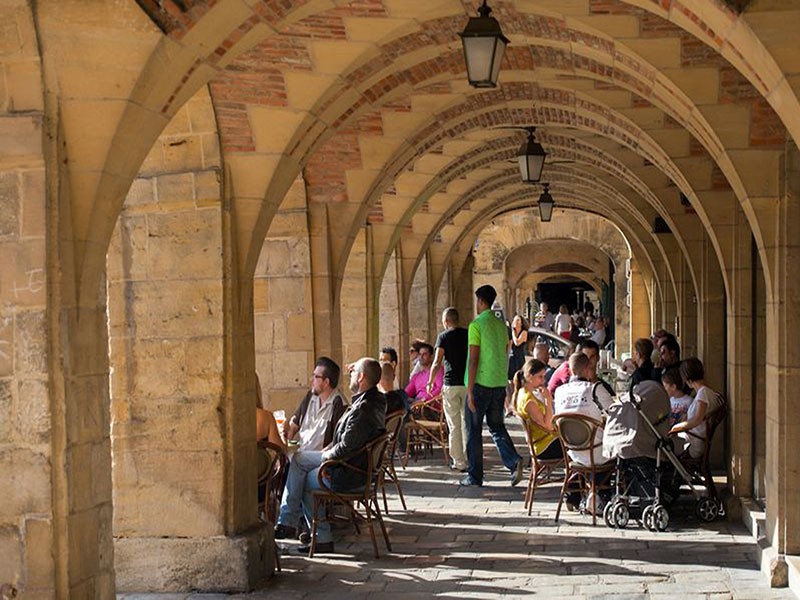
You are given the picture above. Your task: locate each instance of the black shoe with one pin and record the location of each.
(322, 548)
(305, 538)
(516, 475)
(284, 532)
(469, 482)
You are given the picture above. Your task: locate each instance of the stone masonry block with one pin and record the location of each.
(141, 193)
(286, 294)
(26, 477)
(178, 493)
(22, 275)
(21, 136)
(163, 361)
(33, 202)
(32, 412)
(177, 309)
(39, 564)
(208, 188)
(5, 410)
(290, 369)
(30, 343)
(175, 188)
(9, 204)
(6, 345)
(204, 367)
(169, 423)
(210, 564)
(183, 153)
(184, 245)
(24, 80)
(11, 551)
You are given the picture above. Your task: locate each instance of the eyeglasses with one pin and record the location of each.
(315, 376)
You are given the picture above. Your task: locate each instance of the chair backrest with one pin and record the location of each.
(577, 432)
(394, 421)
(275, 479)
(712, 420)
(376, 455)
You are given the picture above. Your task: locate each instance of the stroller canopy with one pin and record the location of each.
(626, 434)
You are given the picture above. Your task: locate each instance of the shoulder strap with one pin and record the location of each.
(594, 396)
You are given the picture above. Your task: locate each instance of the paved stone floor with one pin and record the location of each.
(479, 543)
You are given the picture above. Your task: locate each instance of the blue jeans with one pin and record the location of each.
(301, 483)
(489, 403)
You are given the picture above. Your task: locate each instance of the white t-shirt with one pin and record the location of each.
(575, 397)
(697, 442)
(599, 336)
(549, 319)
(562, 323)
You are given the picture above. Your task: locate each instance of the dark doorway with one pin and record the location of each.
(562, 292)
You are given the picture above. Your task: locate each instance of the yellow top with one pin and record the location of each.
(541, 438)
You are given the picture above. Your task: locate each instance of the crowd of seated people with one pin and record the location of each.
(325, 425)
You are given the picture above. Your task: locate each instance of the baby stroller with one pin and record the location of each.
(636, 433)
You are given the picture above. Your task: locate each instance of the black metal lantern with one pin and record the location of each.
(531, 158)
(484, 44)
(546, 204)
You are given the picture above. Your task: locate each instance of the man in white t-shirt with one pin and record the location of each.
(581, 396)
(599, 335)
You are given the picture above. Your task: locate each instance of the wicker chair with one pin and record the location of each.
(394, 422)
(577, 433)
(366, 498)
(274, 480)
(542, 470)
(426, 427)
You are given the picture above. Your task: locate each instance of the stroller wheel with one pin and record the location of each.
(660, 518)
(607, 514)
(647, 517)
(620, 515)
(707, 509)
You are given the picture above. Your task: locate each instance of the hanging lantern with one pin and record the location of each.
(546, 204)
(484, 44)
(531, 159)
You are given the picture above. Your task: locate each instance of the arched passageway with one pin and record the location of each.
(193, 191)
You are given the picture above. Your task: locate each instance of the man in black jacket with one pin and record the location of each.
(361, 423)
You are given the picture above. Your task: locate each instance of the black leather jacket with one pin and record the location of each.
(361, 423)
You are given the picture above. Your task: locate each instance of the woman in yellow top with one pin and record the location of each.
(534, 405)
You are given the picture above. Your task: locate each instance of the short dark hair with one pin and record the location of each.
(330, 370)
(371, 369)
(417, 345)
(673, 376)
(692, 369)
(391, 352)
(451, 315)
(644, 347)
(588, 343)
(673, 346)
(427, 346)
(486, 293)
(578, 363)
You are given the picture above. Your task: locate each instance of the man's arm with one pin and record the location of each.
(437, 364)
(472, 373)
(358, 430)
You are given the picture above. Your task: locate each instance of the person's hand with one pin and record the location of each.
(429, 387)
(471, 402)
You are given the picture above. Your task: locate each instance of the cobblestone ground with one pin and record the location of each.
(479, 543)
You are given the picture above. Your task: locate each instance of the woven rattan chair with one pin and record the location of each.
(274, 479)
(542, 470)
(426, 427)
(577, 433)
(365, 498)
(394, 422)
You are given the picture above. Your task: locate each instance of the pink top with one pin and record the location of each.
(560, 376)
(416, 385)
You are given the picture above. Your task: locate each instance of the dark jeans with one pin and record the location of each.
(488, 403)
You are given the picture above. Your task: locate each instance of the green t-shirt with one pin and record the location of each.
(491, 334)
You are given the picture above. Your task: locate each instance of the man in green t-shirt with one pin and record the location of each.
(486, 381)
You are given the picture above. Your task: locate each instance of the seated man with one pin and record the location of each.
(316, 417)
(396, 399)
(417, 385)
(581, 396)
(363, 422)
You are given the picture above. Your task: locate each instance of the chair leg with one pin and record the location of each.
(567, 477)
(399, 490)
(383, 528)
(385, 504)
(314, 529)
(368, 513)
(531, 487)
(594, 500)
(277, 552)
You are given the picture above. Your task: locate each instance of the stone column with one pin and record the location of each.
(181, 345)
(622, 312)
(326, 307)
(641, 325)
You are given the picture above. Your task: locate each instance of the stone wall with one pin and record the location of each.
(284, 330)
(26, 517)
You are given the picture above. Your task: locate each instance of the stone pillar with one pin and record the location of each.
(353, 296)
(464, 292)
(783, 366)
(622, 312)
(388, 309)
(325, 300)
(418, 303)
(181, 345)
(641, 303)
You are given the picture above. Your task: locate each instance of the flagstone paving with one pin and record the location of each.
(459, 542)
